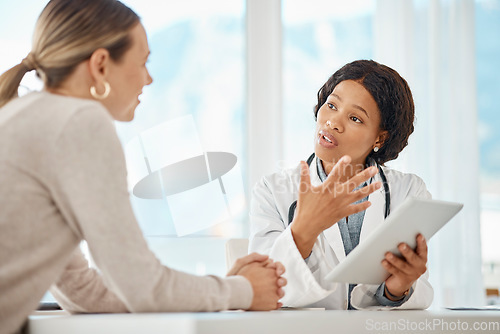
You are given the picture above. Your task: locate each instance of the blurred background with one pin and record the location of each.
(247, 72)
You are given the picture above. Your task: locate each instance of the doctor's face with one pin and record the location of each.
(347, 124)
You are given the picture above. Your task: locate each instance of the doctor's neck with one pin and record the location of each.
(348, 172)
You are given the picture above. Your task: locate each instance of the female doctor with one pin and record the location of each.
(310, 217)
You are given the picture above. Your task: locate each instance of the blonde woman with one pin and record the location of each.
(63, 178)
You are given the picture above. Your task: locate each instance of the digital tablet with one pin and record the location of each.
(414, 216)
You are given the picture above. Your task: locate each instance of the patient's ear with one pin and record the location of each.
(98, 63)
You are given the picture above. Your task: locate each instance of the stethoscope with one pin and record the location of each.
(291, 210)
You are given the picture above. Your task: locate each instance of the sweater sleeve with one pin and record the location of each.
(91, 192)
(80, 289)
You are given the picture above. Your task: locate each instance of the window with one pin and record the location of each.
(18, 41)
(319, 37)
(488, 89)
(198, 66)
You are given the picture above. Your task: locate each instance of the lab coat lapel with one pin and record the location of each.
(313, 173)
(331, 234)
(334, 239)
(374, 215)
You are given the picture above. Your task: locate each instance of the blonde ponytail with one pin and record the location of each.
(11, 79)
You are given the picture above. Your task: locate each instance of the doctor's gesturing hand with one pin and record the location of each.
(319, 207)
(266, 279)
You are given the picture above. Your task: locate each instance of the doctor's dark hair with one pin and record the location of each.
(66, 34)
(392, 95)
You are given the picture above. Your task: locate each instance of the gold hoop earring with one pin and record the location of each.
(107, 90)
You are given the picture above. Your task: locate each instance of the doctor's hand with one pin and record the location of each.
(406, 270)
(318, 208)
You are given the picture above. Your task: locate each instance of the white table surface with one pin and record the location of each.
(289, 321)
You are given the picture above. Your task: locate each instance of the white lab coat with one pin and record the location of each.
(270, 234)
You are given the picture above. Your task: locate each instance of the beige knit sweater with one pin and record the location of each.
(63, 180)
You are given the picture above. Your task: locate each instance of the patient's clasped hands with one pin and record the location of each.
(266, 279)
